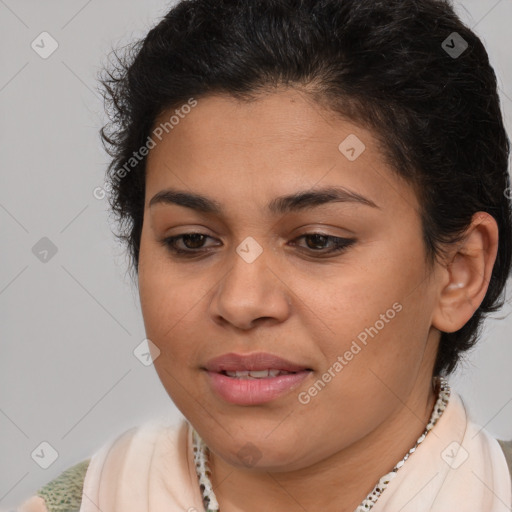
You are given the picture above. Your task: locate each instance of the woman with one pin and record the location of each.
(315, 198)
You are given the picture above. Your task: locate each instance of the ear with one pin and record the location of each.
(466, 274)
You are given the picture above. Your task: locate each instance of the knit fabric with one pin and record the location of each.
(64, 493)
(506, 446)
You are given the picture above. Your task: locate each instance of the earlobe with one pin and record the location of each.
(467, 272)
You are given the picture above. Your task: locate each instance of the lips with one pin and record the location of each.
(253, 379)
(254, 362)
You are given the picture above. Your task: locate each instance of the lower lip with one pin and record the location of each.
(254, 391)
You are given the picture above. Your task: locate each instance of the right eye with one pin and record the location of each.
(193, 243)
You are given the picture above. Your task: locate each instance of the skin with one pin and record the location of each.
(296, 301)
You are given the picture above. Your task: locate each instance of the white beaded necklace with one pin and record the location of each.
(203, 472)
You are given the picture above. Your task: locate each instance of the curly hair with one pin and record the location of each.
(386, 64)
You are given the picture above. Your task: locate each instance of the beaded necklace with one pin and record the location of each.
(203, 471)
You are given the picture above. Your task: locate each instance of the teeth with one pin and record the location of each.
(259, 374)
(238, 374)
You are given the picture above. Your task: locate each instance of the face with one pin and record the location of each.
(335, 283)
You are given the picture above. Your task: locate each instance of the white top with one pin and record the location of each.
(459, 467)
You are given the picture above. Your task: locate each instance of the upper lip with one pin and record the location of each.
(233, 362)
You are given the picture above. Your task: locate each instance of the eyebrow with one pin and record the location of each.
(280, 205)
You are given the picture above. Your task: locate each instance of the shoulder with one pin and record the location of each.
(62, 494)
(155, 459)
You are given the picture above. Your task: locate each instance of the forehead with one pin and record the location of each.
(285, 118)
(283, 140)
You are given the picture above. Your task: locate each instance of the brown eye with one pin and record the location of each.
(193, 240)
(317, 242)
(192, 243)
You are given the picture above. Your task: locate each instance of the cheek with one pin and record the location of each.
(355, 297)
(167, 309)
(164, 296)
(379, 309)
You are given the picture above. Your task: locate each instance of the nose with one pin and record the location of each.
(251, 293)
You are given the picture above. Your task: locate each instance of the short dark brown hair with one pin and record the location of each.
(388, 64)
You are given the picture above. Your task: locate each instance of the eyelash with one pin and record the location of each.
(340, 244)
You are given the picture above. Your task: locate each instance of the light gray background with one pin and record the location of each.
(69, 326)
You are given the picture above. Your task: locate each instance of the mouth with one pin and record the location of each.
(258, 374)
(253, 379)
(258, 365)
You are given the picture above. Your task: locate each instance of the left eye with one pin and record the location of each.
(193, 243)
(338, 244)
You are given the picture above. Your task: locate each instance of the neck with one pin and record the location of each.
(338, 483)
